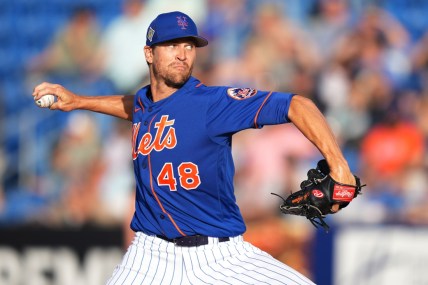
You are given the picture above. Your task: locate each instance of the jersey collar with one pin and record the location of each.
(145, 94)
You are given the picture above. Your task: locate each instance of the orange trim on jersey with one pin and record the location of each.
(141, 104)
(200, 84)
(258, 111)
(154, 193)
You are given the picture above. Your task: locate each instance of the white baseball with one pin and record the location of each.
(45, 101)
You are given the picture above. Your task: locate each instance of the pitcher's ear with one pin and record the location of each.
(148, 53)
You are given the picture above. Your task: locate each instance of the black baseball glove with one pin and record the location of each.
(318, 194)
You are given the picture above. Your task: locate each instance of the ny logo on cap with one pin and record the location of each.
(182, 22)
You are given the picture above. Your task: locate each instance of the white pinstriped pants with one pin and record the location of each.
(151, 260)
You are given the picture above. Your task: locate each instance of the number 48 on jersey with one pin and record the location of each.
(188, 175)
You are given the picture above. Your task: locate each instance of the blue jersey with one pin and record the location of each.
(182, 156)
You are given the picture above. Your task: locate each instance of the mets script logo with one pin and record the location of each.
(182, 22)
(164, 138)
(241, 93)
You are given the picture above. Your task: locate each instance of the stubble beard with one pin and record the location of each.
(173, 80)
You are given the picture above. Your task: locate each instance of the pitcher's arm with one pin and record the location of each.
(119, 106)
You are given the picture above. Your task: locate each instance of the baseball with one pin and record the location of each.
(45, 101)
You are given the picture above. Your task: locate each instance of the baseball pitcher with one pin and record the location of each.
(187, 223)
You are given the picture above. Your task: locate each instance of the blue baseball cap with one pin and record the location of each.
(171, 26)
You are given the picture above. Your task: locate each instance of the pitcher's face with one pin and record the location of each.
(172, 62)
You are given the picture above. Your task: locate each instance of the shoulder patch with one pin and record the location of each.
(241, 93)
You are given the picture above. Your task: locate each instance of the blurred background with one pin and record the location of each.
(67, 183)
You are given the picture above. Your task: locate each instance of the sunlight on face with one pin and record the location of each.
(173, 62)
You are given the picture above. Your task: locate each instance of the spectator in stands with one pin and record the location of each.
(123, 40)
(414, 184)
(116, 185)
(378, 42)
(419, 59)
(77, 169)
(274, 54)
(226, 28)
(421, 113)
(356, 84)
(264, 164)
(331, 19)
(122, 47)
(392, 147)
(73, 52)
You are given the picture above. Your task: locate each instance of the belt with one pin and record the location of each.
(189, 241)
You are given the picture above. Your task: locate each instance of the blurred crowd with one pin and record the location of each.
(364, 63)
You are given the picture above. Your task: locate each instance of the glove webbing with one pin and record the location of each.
(315, 216)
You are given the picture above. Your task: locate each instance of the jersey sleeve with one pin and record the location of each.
(235, 109)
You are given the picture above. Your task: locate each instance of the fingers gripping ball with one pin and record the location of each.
(45, 101)
(318, 194)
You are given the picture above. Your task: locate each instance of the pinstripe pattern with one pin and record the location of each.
(150, 260)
